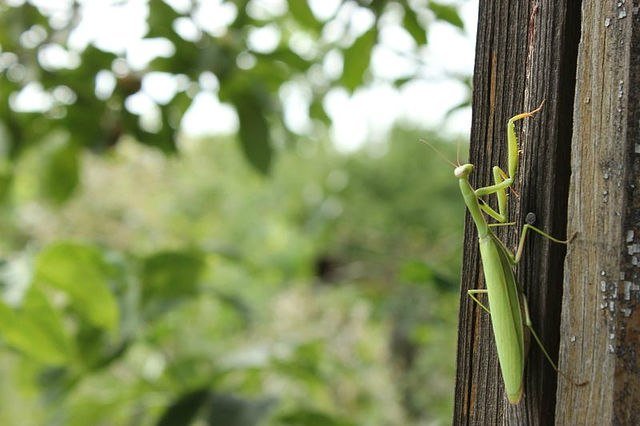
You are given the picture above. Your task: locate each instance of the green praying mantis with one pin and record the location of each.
(507, 301)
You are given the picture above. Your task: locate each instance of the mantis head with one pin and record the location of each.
(463, 171)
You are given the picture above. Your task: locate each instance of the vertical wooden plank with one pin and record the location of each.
(479, 391)
(601, 316)
(526, 52)
(545, 183)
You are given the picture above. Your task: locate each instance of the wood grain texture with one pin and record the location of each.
(526, 52)
(601, 313)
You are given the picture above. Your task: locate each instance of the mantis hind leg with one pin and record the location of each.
(471, 293)
(523, 237)
(527, 321)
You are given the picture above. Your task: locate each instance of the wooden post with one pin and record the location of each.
(526, 52)
(601, 307)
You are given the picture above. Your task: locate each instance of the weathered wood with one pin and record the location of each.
(526, 52)
(601, 313)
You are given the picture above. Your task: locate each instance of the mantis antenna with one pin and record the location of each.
(437, 151)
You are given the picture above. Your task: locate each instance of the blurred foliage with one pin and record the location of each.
(143, 288)
(170, 289)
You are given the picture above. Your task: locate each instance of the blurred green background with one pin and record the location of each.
(262, 277)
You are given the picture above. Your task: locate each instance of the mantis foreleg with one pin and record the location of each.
(502, 180)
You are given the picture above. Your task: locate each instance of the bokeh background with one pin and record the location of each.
(219, 212)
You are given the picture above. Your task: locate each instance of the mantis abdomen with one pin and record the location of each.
(506, 315)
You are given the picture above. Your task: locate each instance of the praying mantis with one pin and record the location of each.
(507, 302)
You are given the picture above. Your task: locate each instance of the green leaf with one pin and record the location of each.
(465, 103)
(97, 347)
(92, 59)
(161, 18)
(311, 417)
(304, 364)
(230, 410)
(59, 170)
(215, 409)
(448, 13)
(404, 80)
(416, 271)
(188, 58)
(164, 139)
(302, 13)
(176, 108)
(82, 273)
(184, 410)
(286, 56)
(255, 138)
(83, 120)
(36, 329)
(317, 112)
(168, 278)
(357, 58)
(414, 27)
(6, 179)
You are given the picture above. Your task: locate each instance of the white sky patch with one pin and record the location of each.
(324, 9)
(425, 102)
(53, 56)
(111, 26)
(459, 123)
(379, 120)
(141, 52)
(105, 84)
(161, 87)
(295, 99)
(362, 117)
(332, 64)
(264, 39)
(450, 50)
(303, 45)
(266, 9)
(207, 115)
(397, 37)
(32, 98)
(389, 64)
(360, 20)
(349, 127)
(143, 105)
(214, 17)
(208, 81)
(187, 29)
(139, 103)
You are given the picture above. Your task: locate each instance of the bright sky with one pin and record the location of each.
(366, 115)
